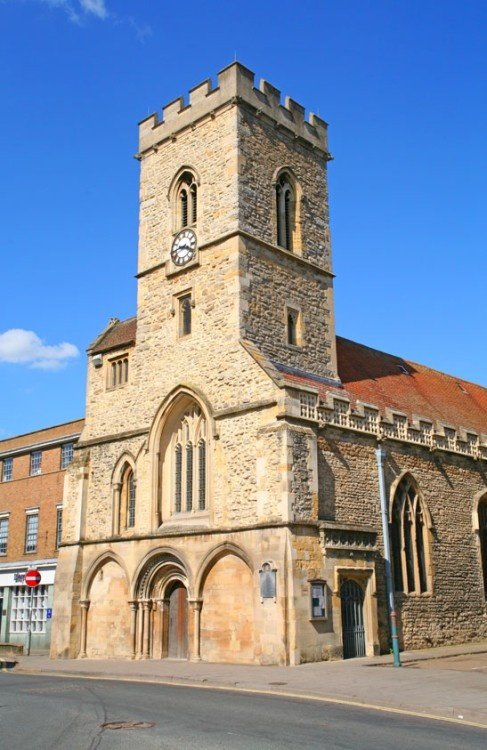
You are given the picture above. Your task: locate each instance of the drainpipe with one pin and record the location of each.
(381, 455)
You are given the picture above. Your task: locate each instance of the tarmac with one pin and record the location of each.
(440, 689)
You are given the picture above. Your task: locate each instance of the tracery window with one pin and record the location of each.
(189, 462)
(482, 518)
(285, 212)
(410, 539)
(186, 201)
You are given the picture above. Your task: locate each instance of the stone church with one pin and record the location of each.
(223, 503)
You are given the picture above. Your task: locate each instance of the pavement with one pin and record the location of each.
(447, 683)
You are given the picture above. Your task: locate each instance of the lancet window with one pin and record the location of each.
(482, 519)
(410, 540)
(285, 212)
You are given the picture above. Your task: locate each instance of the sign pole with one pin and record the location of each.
(32, 580)
(29, 627)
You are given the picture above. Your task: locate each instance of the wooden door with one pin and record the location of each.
(177, 647)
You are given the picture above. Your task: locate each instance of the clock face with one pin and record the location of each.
(184, 247)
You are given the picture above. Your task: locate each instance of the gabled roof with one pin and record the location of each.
(388, 381)
(117, 334)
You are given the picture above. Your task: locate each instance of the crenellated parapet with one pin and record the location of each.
(235, 85)
(390, 424)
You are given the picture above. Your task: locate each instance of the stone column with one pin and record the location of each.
(146, 604)
(197, 605)
(164, 627)
(134, 605)
(85, 605)
(117, 490)
(140, 629)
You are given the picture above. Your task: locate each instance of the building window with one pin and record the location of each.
(35, 463)
(7, 469)
(186, 201)
(66, 455)
(130, 491)
(482, 516)
(59, 526)
(318, 600)
(22, 599)
(410, 540)
(31, 531)
(3, 535)
(185, 308)
(285, 212)
(118, 373)
(189, 462)
(293, 326)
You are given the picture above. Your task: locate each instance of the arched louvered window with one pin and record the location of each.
(186, 201)
(285, 212)
(189, 462)
(482, 518)
(184, 207)
(410, 540)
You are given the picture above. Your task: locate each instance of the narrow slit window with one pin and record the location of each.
(185, 307)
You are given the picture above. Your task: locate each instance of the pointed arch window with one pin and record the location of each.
(186, 201)
(189, 466)
(482, 519)
(285, 212)
(125, 500)
(410, 540)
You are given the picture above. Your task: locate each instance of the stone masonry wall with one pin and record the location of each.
(263, 150)
(270, 282)
(455, 610)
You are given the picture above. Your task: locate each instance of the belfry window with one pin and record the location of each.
(285, 212)
(409, 540)
(186, 201)
(189, 462)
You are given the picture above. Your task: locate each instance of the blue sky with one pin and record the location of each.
(403, 87)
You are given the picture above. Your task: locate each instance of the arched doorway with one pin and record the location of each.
(161, 609)
(177, 626)
(353, 630)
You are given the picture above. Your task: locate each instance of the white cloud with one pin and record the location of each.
(19, 346)
(77, 9)
(97, 7)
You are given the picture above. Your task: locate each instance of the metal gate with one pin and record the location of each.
(353, 630)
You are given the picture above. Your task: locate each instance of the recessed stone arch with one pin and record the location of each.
(166, 559)
(106, 620)
(225, 548)
(227, 590)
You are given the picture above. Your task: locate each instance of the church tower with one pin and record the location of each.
(193, 498)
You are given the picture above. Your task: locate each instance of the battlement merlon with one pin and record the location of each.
(235, 84)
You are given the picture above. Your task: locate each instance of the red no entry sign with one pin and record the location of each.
(32, 578)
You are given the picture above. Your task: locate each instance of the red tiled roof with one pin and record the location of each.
(119, 333)
(379, 379)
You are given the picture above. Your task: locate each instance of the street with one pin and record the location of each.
(56, 713)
